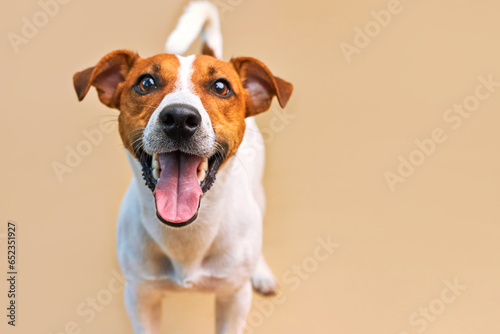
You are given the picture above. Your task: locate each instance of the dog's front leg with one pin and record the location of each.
(232, 308)
(143, 304)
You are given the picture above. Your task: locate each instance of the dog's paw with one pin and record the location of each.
(263, 280)
(266, 286)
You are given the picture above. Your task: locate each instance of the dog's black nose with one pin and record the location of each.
(180, 121)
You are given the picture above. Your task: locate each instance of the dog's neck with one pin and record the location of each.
(191, 243)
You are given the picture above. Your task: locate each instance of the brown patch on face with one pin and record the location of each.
(227, 113)
(137, 108)
(229, 91)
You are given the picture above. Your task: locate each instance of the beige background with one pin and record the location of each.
(324, 177)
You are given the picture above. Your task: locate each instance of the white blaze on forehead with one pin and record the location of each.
(185, 73)
(185, 89)
(183, 93)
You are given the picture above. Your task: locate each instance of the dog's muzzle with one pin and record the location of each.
(178, 171)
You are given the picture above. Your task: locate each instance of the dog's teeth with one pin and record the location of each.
(201, 176)
(155, 174)
(154, 161)
(203, 165)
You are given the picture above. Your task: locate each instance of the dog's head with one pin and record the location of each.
(181, 117)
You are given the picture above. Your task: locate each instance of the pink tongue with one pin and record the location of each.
(178, 191)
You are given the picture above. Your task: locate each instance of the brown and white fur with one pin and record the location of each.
(219, 249)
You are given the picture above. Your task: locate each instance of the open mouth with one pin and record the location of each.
(178, 181)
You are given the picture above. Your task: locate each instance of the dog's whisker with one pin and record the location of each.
(137, 141)
(146, 105)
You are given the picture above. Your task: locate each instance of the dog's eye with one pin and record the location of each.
(146, 84)
(221, 87)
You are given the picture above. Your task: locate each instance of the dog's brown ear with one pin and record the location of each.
(207, 50)
(106, 77)
(260, 85)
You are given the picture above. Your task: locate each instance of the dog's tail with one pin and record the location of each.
(199, 17)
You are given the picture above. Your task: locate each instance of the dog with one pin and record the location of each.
(184, 122)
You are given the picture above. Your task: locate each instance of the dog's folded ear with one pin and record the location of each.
(106, 77)
(260, 85)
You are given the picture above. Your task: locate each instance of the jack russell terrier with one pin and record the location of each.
(185, 121)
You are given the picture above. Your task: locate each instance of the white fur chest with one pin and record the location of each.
(220, 248)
